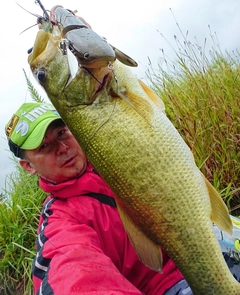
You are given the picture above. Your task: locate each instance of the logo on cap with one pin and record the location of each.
(22, 127)
(11, 125)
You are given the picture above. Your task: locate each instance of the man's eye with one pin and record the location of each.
(43, 146)
(61, 132)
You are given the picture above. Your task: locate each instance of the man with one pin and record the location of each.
(82, 247)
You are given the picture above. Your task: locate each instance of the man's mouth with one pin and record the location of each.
(69, 162)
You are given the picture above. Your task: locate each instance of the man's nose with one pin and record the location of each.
(62, 147)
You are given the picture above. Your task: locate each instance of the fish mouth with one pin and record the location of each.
(44, 45)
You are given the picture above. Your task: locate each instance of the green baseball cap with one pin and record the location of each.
(26, 129)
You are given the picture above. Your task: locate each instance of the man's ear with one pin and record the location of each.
(27, 166)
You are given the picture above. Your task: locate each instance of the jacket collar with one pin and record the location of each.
(89, 181)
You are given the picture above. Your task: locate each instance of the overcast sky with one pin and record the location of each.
(135, 27)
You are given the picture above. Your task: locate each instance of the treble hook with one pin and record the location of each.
(43, 9)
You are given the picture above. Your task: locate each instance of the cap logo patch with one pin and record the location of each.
(22, 127)
(11, 125)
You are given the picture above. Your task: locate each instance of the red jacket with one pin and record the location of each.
(82, 247)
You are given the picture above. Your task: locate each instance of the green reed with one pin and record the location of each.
(201, 92)
(19, 213)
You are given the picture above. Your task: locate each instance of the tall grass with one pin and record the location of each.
(19, 213)
(201, 92)
(20, 206)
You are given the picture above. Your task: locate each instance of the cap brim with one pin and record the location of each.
(36, 137)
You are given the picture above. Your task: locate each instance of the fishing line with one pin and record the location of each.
(110, 67)
(87, 70)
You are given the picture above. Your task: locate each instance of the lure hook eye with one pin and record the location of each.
(86, 55)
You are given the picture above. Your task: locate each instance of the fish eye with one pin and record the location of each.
(86, 55)
(41, 76)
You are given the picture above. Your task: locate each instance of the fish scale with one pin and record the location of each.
(162, 197)
(118, 163)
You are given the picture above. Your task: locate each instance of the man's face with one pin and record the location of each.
(58, 158)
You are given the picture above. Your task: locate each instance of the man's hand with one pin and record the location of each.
(52, 16)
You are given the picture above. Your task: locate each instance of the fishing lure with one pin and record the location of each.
(90, 49)
(81, 44)
(230, 243)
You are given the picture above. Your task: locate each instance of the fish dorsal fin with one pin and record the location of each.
(220, 215)
(153, 96)
(148, 252)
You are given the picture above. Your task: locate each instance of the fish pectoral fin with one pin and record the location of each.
(148, 252)
(141, 104)
(220, 215)
(153, 96)
(142, 107)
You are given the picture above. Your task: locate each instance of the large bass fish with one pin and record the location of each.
(163, 199)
